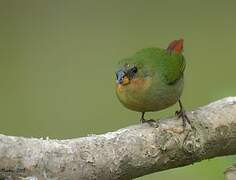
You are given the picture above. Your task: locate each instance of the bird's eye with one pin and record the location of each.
(134, 70)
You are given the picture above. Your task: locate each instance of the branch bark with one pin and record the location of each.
(230, 173)
(127, 153)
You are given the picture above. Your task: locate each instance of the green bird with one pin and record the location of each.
(152, 79)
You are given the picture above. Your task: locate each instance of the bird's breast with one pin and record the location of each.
(137, 85)
(149, 94)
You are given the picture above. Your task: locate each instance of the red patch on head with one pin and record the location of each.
(176, 46)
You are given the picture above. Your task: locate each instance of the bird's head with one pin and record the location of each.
(126, 73)
(132, 72)
(144, 64)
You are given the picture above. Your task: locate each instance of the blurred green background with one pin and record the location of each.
(58, 58)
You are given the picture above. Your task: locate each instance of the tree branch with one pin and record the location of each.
(127, 153)
(230, 173)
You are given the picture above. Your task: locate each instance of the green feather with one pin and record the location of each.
(164, 71)
(169, 65)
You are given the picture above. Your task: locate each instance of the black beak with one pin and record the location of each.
(120, 74)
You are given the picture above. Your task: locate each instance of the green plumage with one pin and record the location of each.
(170, 66)
(158, 82)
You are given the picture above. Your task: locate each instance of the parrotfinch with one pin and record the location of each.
(152, 79)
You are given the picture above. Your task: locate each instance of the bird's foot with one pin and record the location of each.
(186, 121)
(142, 120)
(151, 122)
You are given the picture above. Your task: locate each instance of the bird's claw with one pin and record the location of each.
(150, 122)
(182, 114)
(146, 120)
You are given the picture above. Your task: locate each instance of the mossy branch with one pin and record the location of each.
(127, 153)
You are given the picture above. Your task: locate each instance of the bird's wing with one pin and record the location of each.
(175, 66)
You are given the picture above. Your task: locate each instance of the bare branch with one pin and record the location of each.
(127, 153)
(230, 173)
